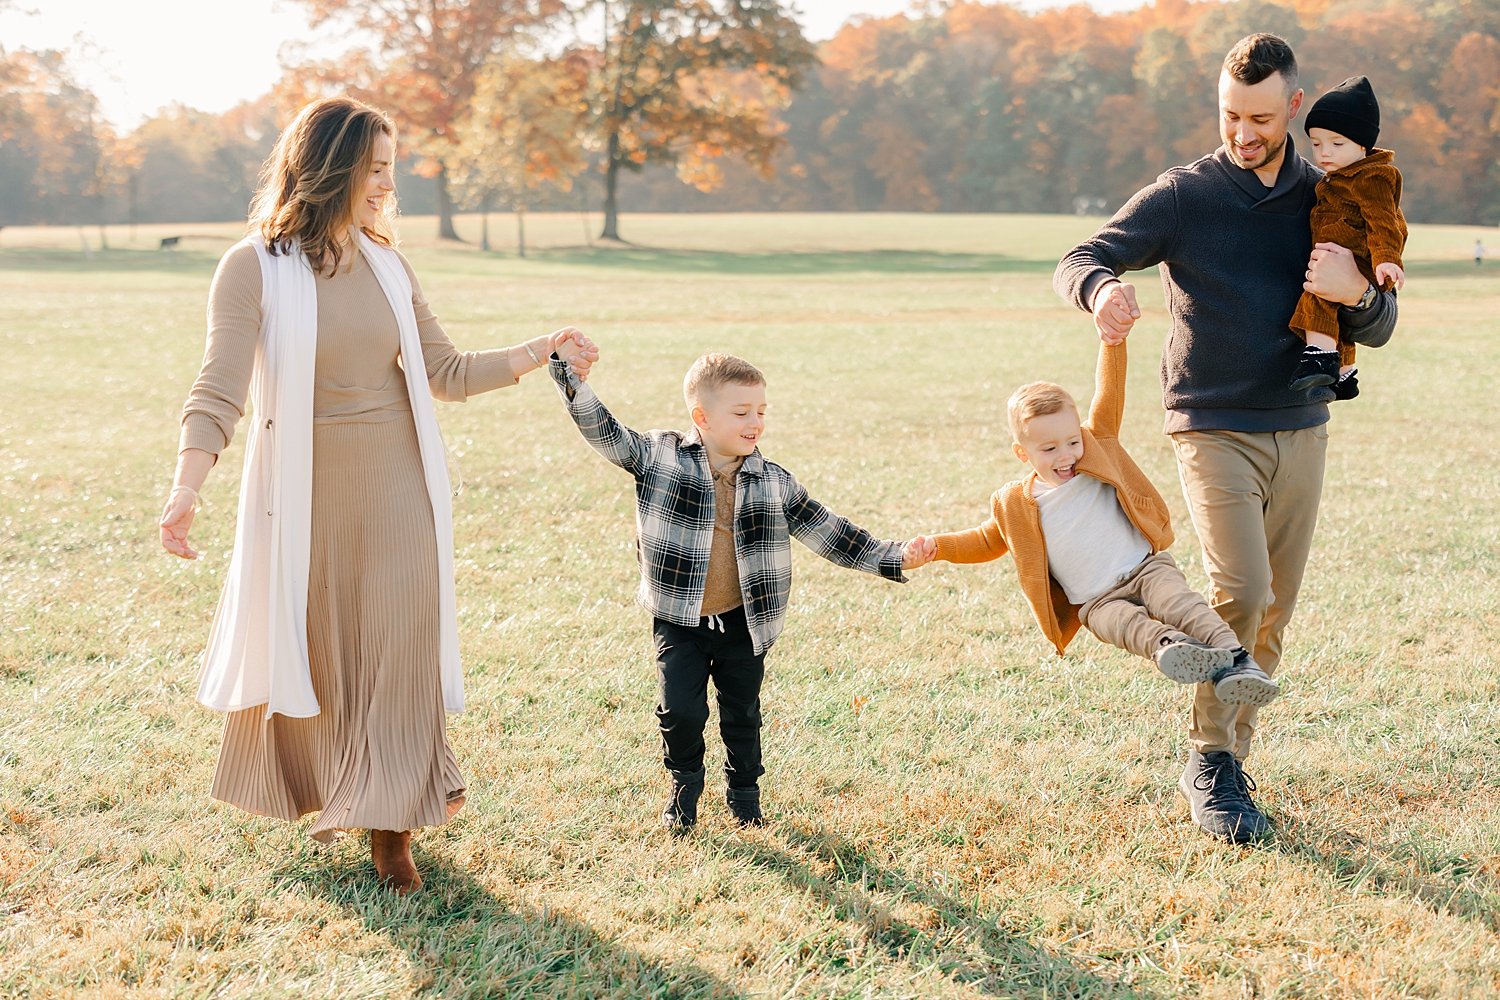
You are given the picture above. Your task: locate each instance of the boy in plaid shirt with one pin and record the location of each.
(713, 524)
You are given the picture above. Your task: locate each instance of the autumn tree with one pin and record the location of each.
(687, 82)
(523, 133)
(52, 142)
(423, 64)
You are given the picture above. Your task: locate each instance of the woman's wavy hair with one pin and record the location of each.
(315, 176)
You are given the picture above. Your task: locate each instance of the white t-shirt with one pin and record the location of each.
(1091, 544)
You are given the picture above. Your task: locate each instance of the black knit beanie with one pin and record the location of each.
(1350, 109)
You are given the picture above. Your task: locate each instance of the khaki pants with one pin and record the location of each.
(1153, 602)
(1254, 503)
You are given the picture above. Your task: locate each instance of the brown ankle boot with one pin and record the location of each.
(391, 851)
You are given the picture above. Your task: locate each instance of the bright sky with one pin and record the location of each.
(140, 55)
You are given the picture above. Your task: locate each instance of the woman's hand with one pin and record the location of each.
(577, 350)
(176, 519)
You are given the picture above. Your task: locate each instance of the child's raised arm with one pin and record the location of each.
(1107, 408)
(573, 355)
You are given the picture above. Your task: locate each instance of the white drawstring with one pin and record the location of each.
(715, 622)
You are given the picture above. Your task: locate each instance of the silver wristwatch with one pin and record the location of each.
(1366, 300)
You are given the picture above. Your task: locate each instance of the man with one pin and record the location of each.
(1231, 234)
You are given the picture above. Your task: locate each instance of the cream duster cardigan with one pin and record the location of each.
(257, 648)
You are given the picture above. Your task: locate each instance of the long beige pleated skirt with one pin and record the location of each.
(376, 756)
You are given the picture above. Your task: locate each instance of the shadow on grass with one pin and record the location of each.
(966, 945)
(113, 261)
(463, 941)
(1444, 883)
(791, 262)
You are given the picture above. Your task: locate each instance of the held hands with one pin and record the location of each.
(1332, 275)
(918, 552)
(1392, 273)
(176, 519)
(578, 351)
(1115, 311)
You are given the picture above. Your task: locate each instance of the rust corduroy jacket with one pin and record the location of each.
(1359, 207)
(1015, 523)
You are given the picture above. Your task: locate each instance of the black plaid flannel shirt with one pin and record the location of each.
(674, 518)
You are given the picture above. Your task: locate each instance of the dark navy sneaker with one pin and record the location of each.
(1347, 387)
(1244, 683)
(744, 805)
(1217, 790)
(681, 811)
(1188, 661)
(1315, 368)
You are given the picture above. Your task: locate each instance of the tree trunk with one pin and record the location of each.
(521, 230)
(611, 182)
(484, 227)
(445, 208)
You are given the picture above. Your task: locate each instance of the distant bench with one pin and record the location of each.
(171, 243)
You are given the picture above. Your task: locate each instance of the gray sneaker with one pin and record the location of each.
(1244, 683)
(1188, 661)
(1217, 790)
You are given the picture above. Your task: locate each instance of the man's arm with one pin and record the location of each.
(1370, 327)
(1137, 237)
(837, 539)
(1333, 275)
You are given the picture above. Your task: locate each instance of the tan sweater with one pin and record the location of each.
(722, 588)
(357, 374)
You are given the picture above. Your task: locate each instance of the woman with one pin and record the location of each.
(334, 645)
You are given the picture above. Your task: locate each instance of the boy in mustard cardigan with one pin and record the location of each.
(1089, 534)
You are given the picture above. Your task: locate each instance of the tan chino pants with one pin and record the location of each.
(1153, 602)
(1253, 498)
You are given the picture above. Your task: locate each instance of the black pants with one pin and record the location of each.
(685, 660)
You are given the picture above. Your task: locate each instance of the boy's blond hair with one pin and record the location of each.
(718, 369)
(1036, 399)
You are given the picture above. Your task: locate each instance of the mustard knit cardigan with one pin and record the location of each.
(1015, 523)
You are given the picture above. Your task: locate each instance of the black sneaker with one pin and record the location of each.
(1347, 387)
(744, 805)
(1218, 790)
(681, 811)
(1188, 661)
(1244, 683)
(1315, 368)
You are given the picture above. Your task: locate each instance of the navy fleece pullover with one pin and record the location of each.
(1233, 255)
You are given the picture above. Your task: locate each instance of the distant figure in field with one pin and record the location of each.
(1478, 253)
(334, 649)
(1359, 206)
(1231, 234)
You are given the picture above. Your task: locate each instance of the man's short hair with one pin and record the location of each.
(718, 369)
(1257, 56)
(1036, 399)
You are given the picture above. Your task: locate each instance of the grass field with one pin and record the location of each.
(957, 812)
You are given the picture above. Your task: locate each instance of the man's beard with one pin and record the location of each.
(1271, 153)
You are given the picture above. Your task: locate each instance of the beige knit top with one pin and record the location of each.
(357, 375)
(722, 589)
